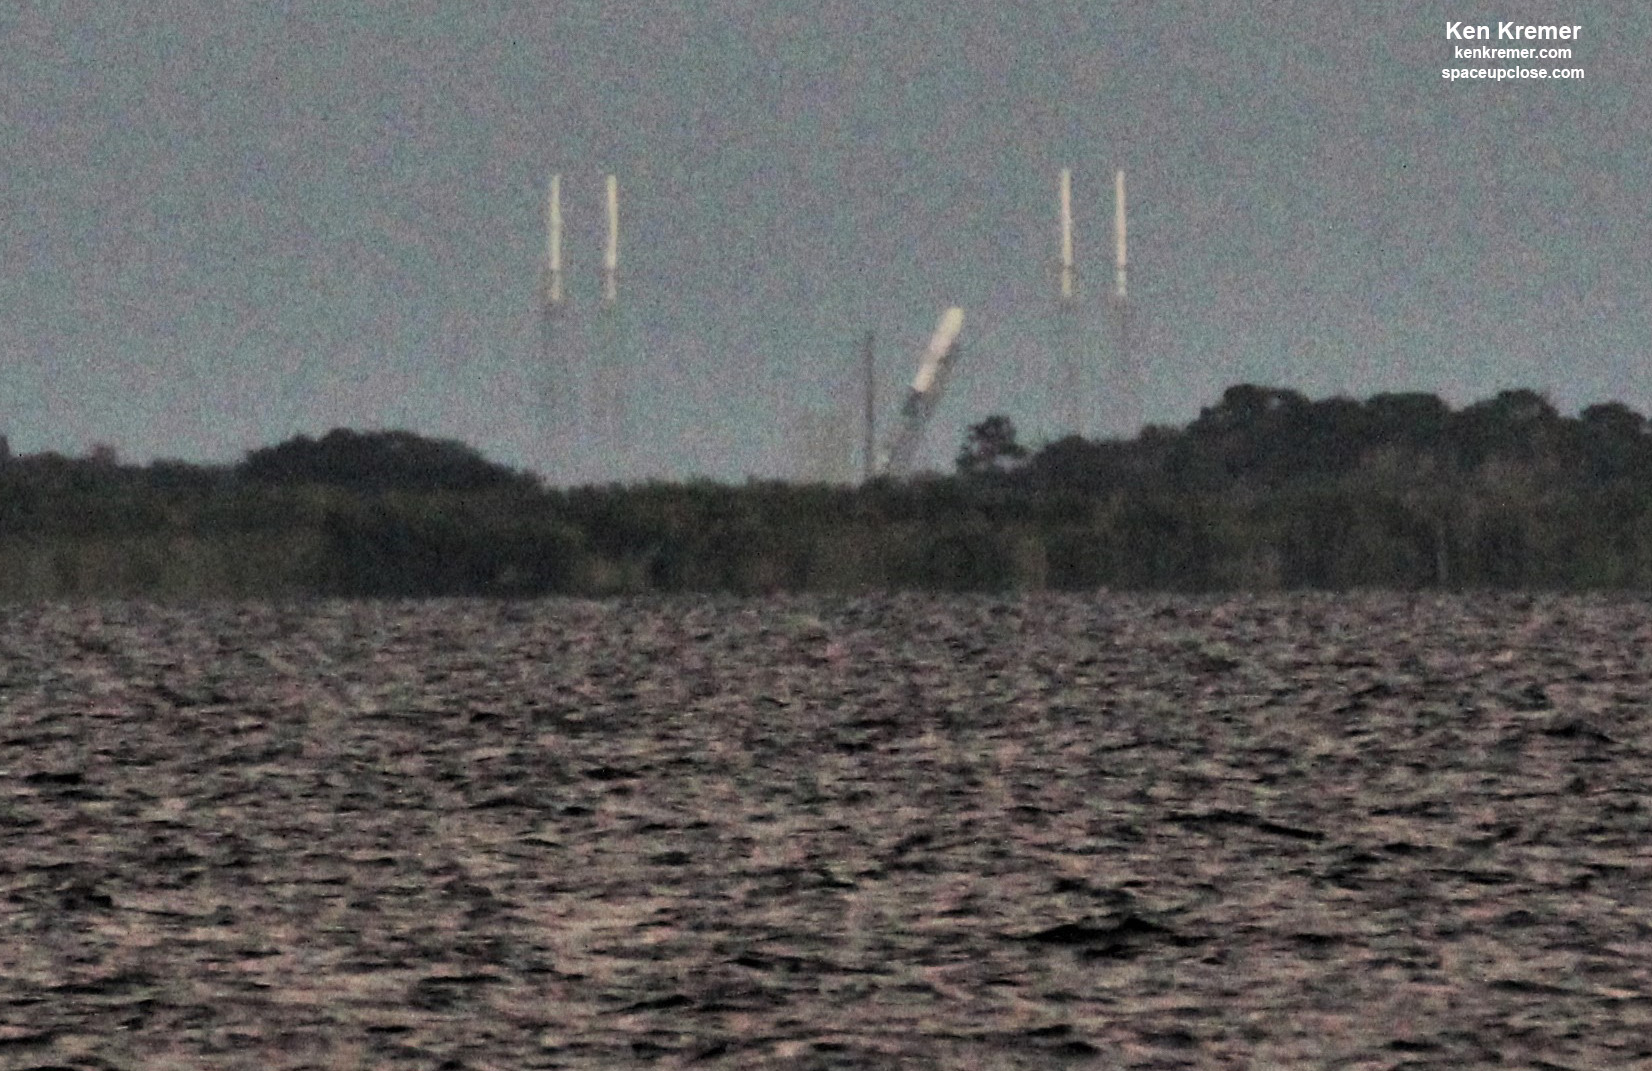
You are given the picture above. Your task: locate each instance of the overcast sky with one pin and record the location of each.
(228, 224)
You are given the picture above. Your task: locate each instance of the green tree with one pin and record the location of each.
(1614, 442)
(1415, 419)
(379, 461)
(990, 448)
(1517, 424)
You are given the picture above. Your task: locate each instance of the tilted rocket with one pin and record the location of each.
(934, 368)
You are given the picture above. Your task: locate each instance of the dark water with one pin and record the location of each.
(1120, 832)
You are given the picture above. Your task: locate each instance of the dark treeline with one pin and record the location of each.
(1265, 490)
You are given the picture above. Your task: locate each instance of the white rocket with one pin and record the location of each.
(934, 369)
(940, 348)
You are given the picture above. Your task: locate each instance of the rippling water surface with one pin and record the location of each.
(1115, 831)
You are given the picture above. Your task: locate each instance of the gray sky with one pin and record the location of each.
(233, 223)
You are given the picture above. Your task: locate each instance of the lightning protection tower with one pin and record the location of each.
(553, 296)
(1130, 373)
(1068, 378)
(610, 256)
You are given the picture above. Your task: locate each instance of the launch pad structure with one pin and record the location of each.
(1127, 380)
(553, 248)
(1069, 379)
(1121, 408)
(610, 253)
(586, 395)
(553, 297)
(1120, 405)
(869, 370)
(592, 378)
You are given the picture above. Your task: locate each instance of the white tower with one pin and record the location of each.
(553, 247)
(1119, 231)
(1066, 235)
(610, 256)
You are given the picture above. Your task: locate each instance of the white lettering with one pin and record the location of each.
(1508, 31)
(1456, 31)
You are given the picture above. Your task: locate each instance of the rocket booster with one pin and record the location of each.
(925, 394)
(940, 345)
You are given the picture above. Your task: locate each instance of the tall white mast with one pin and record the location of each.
(1066, 235)
(610, 257)
(1119, 230)
(553, 247)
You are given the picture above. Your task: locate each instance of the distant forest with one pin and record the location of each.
(1266, 490)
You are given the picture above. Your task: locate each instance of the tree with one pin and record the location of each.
(990, 448)
(1608, 419)
(1253, 433)
(1518, 424)
(1414, 418)
(1614, 442)
(379, 461)
(1246, 407)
